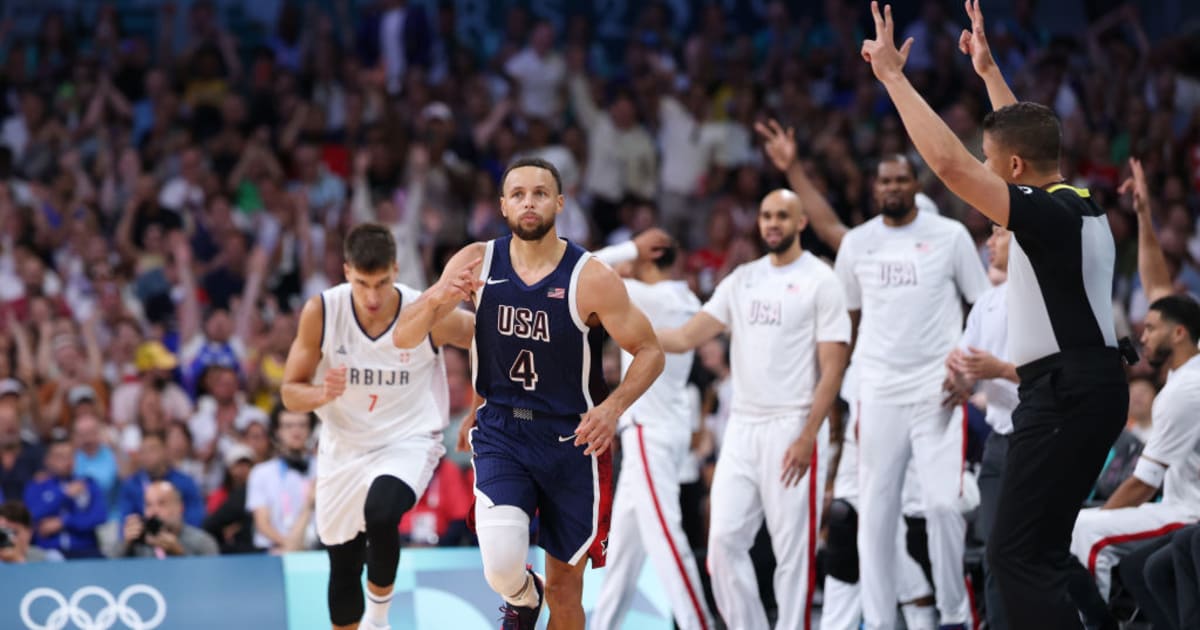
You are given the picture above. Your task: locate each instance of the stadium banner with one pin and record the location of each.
(435, 589)
(445, 588)
(229, 593)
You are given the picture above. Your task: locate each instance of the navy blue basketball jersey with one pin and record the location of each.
(533, 350)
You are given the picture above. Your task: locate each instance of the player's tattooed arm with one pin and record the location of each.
(603, 297)
(459, 281)
(298, 392)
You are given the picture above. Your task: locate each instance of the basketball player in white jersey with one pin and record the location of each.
(905, 275)
(656, 435)
(790, 336)
(382, 410)
(1171, 459)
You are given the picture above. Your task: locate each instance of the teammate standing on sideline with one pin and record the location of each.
(656, 436)
(382, 410)
(980, 358)
(842, 607)
(541, 439)
(1073, 394)
(905, 275)
(790, 336)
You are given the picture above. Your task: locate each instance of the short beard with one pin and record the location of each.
(783, 245)
(894, 210)
(530, 234)
(1158, 357)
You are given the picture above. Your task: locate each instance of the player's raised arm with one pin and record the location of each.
(602, 293)
(459, 281)
(939, 147)
(973, 43)
(780, 146)
(298, 391)
(1152, 265)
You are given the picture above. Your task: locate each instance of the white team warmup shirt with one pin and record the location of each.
(668, 304)
(1102, 537)
(777, 316)
(907, 281)
(987, 329)
(390, 393)
(1175, 436)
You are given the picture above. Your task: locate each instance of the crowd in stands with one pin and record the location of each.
(171, 192)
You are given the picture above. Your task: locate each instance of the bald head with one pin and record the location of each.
(783, 198)
(780, 219)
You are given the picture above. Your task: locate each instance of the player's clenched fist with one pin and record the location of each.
(335, 383)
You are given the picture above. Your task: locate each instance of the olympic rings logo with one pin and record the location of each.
(114, 609)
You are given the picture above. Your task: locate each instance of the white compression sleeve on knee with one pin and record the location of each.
(504, 545)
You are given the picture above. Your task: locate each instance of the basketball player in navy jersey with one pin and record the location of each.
(541, 440)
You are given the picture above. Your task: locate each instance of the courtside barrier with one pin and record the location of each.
(436, 589)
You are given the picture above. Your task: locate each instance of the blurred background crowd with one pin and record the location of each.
(176, 179)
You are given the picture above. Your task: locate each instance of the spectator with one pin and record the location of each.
(159, 530)
(221, 413)
(154, 466)
(154, 365)
(19, 459)
(621, 156)
(16, 535)
(94, 457)
(692, 142)
(440, 517)
(539, 72)
(394, 39)
(228, 520)
(66, 508)
(281, 491)
(181, 454)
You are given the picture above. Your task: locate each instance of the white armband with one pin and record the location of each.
(617, 254)
(1150, 472)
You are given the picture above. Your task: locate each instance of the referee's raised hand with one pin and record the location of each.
(973, 42)
(881, 53)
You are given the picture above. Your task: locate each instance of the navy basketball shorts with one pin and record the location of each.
(534, 464)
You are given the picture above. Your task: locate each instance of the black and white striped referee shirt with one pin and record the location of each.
(1060, 273)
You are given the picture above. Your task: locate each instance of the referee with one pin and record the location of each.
(1072, 395)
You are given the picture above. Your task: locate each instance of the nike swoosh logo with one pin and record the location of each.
(566, 438)
(491, 281)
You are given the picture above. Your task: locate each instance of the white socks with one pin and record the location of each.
(377, 609)
(919, 617)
